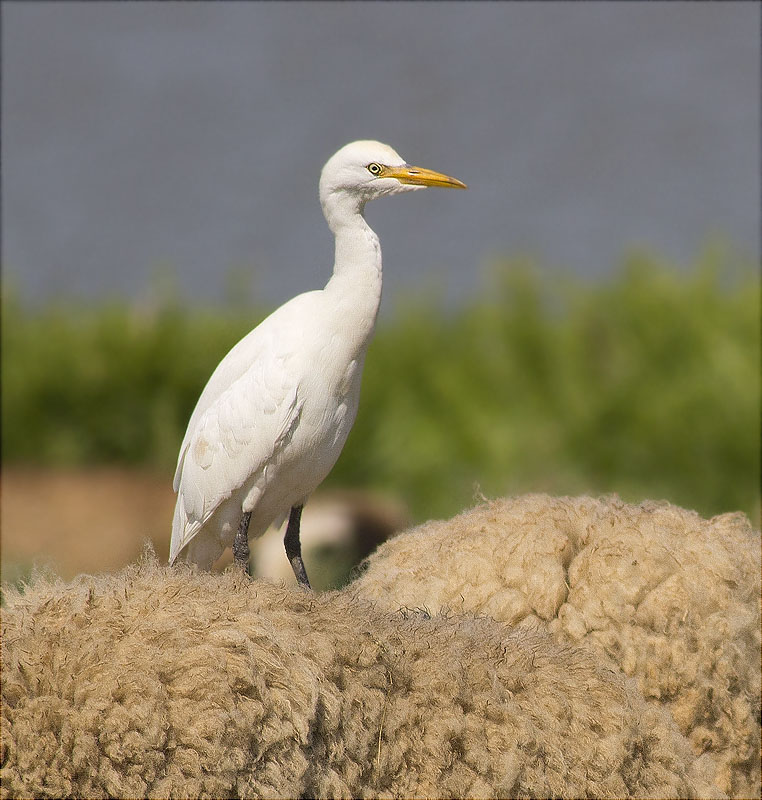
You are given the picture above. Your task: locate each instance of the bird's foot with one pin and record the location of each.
(301, 573)
(241, 543)
(294, 547)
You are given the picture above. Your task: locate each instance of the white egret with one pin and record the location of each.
(274, 416)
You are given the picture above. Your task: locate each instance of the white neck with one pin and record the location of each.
(355, 286)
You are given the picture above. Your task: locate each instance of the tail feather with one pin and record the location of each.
(180, 534)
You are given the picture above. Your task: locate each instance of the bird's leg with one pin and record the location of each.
(241, 542)
(294, 546)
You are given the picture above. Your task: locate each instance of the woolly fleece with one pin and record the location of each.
(164, 682)
(671, 599)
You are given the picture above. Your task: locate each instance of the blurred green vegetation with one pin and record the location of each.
(646, 384)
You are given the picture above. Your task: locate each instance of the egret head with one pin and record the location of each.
(364, 170)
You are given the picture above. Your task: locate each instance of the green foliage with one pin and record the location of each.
(646, 384)
(107, 384)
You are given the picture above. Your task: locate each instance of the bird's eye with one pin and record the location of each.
(374, 169)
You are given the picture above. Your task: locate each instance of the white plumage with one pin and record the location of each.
(274, 416)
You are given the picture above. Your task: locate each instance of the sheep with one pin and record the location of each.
(159, 682)
(669, 598)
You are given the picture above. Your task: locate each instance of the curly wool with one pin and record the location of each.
(161, 682)
(670, 598)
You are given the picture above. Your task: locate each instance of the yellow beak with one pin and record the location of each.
(421, 177)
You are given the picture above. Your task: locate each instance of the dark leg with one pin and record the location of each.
(241, 542)
(294, 546)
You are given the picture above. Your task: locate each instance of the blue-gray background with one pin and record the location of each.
(140, 137)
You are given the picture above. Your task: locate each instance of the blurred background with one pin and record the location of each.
(584, 319)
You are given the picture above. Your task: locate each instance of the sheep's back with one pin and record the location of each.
(166, 682)
(665, 596)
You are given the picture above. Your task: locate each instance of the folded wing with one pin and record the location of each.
(231, 442)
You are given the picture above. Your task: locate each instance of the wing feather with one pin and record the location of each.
(275, 336)
(244, 417)
(234, 440)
